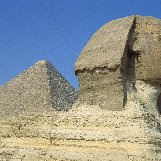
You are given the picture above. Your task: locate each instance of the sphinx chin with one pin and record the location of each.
(145, 95)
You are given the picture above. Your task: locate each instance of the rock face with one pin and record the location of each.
(117, 114)
(40, 88)
(118, 54)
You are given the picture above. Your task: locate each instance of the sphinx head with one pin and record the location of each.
(121, 61)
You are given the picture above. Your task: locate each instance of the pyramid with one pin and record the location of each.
(40, 88)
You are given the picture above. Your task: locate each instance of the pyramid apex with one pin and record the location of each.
(42, 62)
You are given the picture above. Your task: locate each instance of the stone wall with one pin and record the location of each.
(85, 133)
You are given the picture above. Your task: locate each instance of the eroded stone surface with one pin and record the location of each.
(118, 54)
(85, 133)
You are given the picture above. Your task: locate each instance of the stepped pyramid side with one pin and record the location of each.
(63, 94)
(40, 88)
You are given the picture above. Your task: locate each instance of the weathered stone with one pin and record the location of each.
(40, 88)
(118, 54)
(107, 45)
(147, 48)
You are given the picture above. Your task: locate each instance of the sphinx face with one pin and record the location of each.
(147, 46)
(143, 69)
(145, 95)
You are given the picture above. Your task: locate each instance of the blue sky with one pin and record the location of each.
(57, 30)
